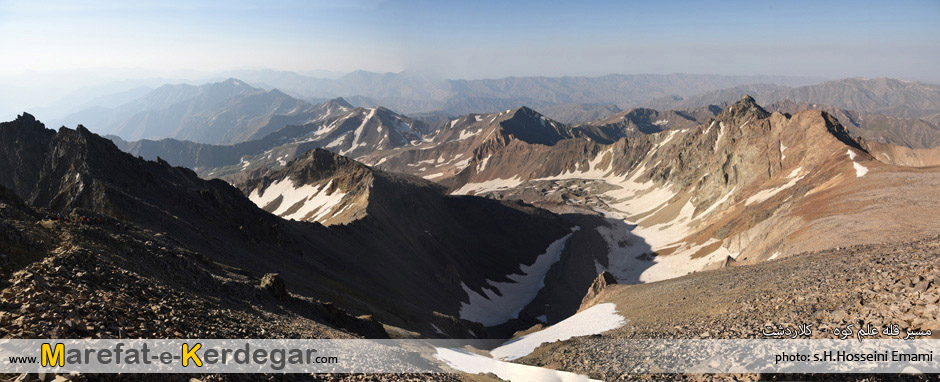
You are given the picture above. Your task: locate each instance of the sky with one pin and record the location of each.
(57, 53)
(474, 39)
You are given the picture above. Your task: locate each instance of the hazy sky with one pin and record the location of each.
(476, 39)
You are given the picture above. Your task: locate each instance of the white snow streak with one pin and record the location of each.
(594, 320)
(493, 309)
(473, 363)
(489, 185)
(313, 198)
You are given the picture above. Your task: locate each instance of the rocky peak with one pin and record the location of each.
(339, 102)
(233, 82)
(322, 161)
(529, 126)
(524, 111)
(25, 118)
(278, 94)
(745, 107)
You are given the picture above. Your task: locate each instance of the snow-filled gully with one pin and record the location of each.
(491, 309)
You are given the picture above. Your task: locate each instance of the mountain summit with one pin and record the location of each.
(746, 107)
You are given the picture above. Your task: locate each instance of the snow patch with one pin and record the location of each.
(489, 185)
(473, 363)
(709, 128)
(358, 133)
(860, 170)
(721, 133)
(336, 142)
(482, 165)
(492, 309)
(763, 195)
(313, 198)
(668, 138)
(594, 320)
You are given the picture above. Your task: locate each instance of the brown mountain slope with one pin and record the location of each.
(909, 132)
(407, 261)
(747, 184)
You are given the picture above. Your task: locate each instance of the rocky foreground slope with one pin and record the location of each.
(890, 283)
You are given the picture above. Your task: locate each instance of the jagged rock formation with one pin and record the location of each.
(469, 139)
(642, 121)
(600, 283)
(909, 132)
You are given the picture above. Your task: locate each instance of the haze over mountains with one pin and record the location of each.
(178, 111)
(406, 92)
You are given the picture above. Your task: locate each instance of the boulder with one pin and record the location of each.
(274, 284)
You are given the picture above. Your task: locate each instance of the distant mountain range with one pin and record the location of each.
(376, 133)
(885, 96)
(579, 112)
(224, 112)
(175, 111)
(410, 92)
(335, 125)
(883, 109)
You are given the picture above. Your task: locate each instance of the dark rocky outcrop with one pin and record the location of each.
(602, 281)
